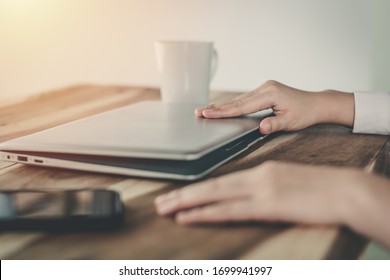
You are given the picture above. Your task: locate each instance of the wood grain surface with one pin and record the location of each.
(148, 236)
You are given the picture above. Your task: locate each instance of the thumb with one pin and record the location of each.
(272, 124)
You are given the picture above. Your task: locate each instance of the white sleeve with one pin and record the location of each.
(372, 112)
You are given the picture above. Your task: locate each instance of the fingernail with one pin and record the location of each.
(158, 199)
(209, 113)
(166, 206)
(180, 218)
(163, 209)
(163, 199)
(183, 218)
(198, 111)
(267, 128)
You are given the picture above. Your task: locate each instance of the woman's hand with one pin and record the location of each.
(293, 109)
(272, 192)
(289, 193)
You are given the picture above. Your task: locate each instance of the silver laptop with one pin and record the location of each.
(147, 139)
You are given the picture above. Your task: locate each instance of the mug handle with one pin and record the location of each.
(214, 64)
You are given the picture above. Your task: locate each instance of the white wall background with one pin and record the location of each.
(312, 44)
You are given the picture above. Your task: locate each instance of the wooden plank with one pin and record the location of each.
(146, 236)
(347, 245)
(381, 165)
(317, 145)
(297, 243)
(4, 164)
(12, 242)
(24, 177)
(61, 99)
(51, 110)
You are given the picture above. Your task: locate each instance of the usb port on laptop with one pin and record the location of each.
(22, 158)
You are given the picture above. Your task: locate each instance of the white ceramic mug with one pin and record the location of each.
(186, 69)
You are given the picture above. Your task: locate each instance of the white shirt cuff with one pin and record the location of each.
(372, 112)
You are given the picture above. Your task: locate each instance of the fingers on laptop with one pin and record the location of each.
(243, 104)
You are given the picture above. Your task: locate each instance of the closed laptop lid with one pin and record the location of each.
(149, 129)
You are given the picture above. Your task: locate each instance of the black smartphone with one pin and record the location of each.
(60, 210)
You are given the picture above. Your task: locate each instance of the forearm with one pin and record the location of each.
(335, 107)
(366, 207)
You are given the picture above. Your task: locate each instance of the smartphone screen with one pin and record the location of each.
(82, 207)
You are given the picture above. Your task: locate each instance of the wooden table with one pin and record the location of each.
(148, 236)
